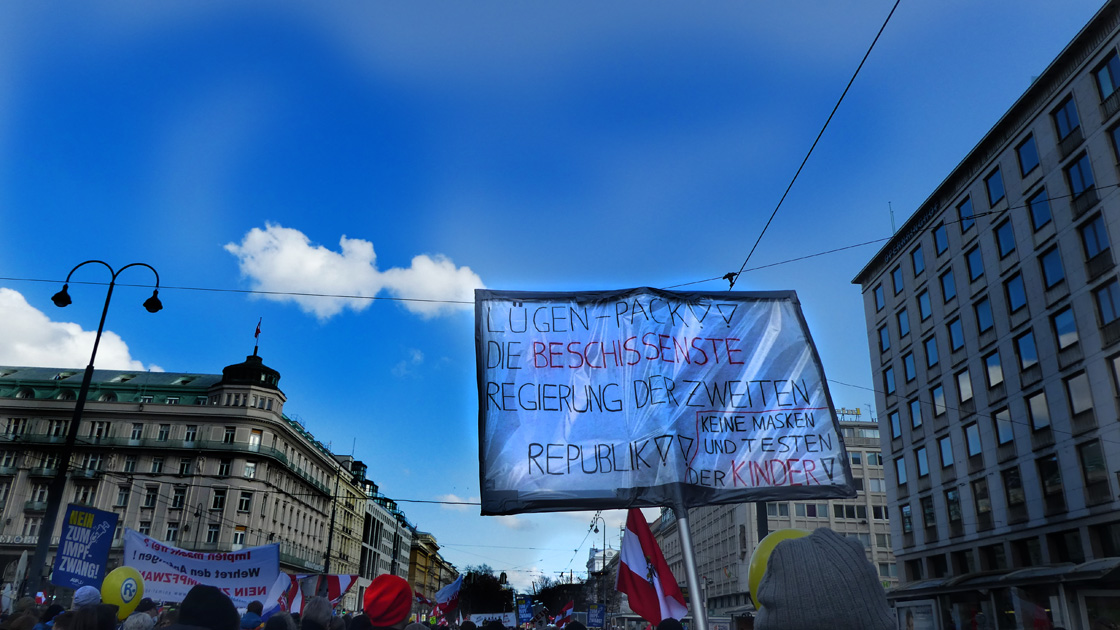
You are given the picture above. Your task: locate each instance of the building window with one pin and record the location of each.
(239, 537)
(964, 386)
(953, 506)
(1108, 302)
(1094, 472)
(98, 429)
(192, 433)
(172, 532)
(903, 323)
(956, 335)
(931, 351)
(122, 496)
(250, 470)
(172, 400)
(1005, 239)
(1065, 118)
(896, 279)
(907, 519)
(1094, 237)
(218, 499)
(945, 447)
(31, 526)
(245, 502)
(900, 470)
(1025, 348)
(1050, 473)
(1077, 391)
(994, 184)
(993, 369)
(1039, 411)
(1039, 204)
(929, 515)
(880, 301)
(916, 413)
(874, 459)
(884, 338)
(1005, 432)
(1028, 155)
(948, 286)
(151, 496)
(937, 395)
(918, 260)
(1016, 295)
(213, 531)
(224, 467)
(178, 498)
(940, 239)
(984, 319)
(896, 424)
(157, 465)
(184, 465)
(58, 428)
(84, 495)
(964, 212)
(130, 463)
(972, 440)
(1052, 272)
(888, 380)
(1080, 175)
(1065, 328)
(981, 500)
(145, 528)
(230, 433)
(1108, 75)
(908, 367)
(924, 310)
(137, 431)
(922, 461)
(1013, 487)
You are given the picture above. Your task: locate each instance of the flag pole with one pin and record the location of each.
(696, 598)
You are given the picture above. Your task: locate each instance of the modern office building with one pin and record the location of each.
(724, 536)
(993, 320)
(200, 461)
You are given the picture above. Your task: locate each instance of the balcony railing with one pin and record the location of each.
(35, 506)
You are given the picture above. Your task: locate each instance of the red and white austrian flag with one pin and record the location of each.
(644, 575)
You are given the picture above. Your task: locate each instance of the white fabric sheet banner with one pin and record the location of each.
(644, 397)
(169, 572)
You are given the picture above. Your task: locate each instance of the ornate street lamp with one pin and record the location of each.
(58, 484)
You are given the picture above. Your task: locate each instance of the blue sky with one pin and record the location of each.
(423, 149)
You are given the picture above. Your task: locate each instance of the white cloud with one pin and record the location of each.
(405, 366)
(31, 339)
(284, 260)
(513, 522)
(458, 503)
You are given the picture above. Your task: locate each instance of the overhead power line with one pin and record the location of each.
(732, 278)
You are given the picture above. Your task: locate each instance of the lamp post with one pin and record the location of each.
(602, 554)
(58, 484)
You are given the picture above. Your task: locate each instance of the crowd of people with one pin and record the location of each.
(387, 606)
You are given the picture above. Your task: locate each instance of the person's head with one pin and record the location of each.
(575, 625)
(86, 596)
(468, 625)
(416, 625)
(496, 624)
(51, 612)
(361, 622)
(139, 621)
(167, 617)
(64, 621)
(148, 607)
(668, 623)
(280, 621)
(823, 578)
(316, 613)
(209, 607)
(388, 601)
(255, 607)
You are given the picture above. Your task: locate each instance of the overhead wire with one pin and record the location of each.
(804, 161)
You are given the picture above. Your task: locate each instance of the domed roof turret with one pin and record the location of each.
(252, 372)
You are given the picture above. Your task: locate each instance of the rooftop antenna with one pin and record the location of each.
(891, 208)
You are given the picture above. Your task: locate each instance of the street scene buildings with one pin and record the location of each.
(993, 317)
(204, 462)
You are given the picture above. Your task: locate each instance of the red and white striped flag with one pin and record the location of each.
(644, 575)
(565, 614)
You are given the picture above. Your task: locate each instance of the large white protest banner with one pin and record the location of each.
(170, 572)
(643, 397)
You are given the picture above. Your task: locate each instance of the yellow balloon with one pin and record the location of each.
(761, 557)
(123, 587)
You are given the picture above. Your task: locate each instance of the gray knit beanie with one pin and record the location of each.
(821, 581)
